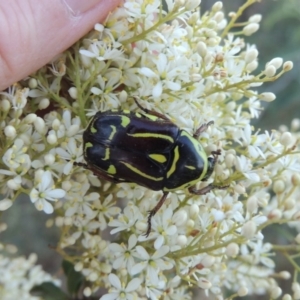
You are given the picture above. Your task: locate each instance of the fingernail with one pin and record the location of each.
(80, 6)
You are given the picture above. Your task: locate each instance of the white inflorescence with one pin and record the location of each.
(193, 69)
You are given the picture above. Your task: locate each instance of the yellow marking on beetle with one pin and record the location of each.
(151, 117)
(201, 153)
(124, 121)
(111, 170)
(90, 126)
(152, 135)
(113, 131)
(173, 166)
(137, 171)
(138, 115)
(93, 129)
(182, 187)
(190, 167)
(197, 146)
(106, 157)
(158, 157)
(88, 145)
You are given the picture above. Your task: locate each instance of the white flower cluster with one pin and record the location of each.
(18, 276)
(191, 68)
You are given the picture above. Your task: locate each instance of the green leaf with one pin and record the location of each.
(48, 291)
(74, 278)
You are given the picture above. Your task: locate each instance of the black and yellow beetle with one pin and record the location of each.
(147, 149)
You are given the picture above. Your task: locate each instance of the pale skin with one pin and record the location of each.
(34, 31)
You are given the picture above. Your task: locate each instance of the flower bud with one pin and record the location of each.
(251, 55)
(73, 92)
(255, 18)
(249, 229)
(49, 159)
(229, 160)
(296, 179)
(276, 62)
(30, 118)
(191, 4)
(252, 66)
(87, 292)
(181, 240)
(296, 287)
(219, 16)
(243, 291)
(5, 204)
(295, 124)
(268, 97)
(289, 203)
(270, 71)
(10, 131)
(39, 125)
(32, 83)
(285, 275)
(286, 139)
(52, 139)
(275, 214)
(217, 6)
(276, 292)
(5, 105)
(123, 96)
(232, 250)
(203, 283)
(287, 66)
(44, 103)
(202, 49)
(250, 29)
(252, 205)
(78, 266)
(207, 261)
(278, 186)
(13, 184)
(194, 211)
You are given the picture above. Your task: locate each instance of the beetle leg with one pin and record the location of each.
(80, 164)
(151, 112)
(202, 128)
(154, 211)
(97, 172)
(206, 189)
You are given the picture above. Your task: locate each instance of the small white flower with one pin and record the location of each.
(71, 153)
(44, 192)
(244, 166)
(162, 228)
(118, 291)
(80, 202)
(126, 220)
(124, 257)
(17, 158)
(152, 264)
(106, 210)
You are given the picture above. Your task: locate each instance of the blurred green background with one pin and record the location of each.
(279, 36)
